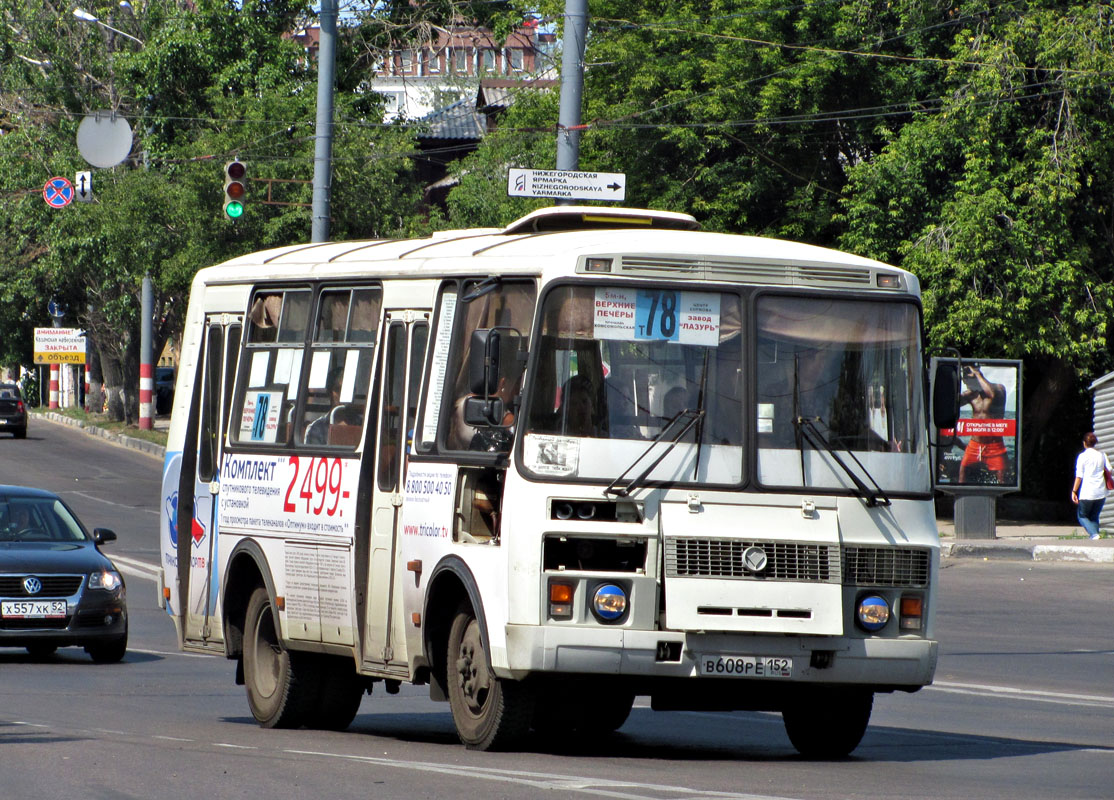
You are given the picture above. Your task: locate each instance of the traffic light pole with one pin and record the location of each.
(572, 86)
(323, 150)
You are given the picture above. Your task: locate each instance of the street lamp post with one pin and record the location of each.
(85, 16)
(146, 339)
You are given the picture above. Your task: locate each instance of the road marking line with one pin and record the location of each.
(172, 738)
(1033, 695)
(135, 562)
(166, 653)
(234, 746)
(545, 780)
(112, 503)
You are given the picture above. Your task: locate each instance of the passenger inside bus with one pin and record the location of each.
(337, 425)
(577, 414)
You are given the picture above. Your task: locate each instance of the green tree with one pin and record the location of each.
(1000, 202)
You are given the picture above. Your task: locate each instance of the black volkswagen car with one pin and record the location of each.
(56, 587)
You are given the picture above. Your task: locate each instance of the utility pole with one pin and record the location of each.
(323, 148)
(572, 86)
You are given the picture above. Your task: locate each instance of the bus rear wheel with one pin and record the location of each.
(280, 684)
(830, 723)
(341, 694)
(489, 712)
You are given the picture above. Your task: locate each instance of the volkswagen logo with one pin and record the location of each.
(32, 585)
(754, 559)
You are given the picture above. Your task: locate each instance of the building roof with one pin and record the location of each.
(457, 121)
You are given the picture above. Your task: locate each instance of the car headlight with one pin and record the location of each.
(609, 602)
(107, 579)
(873, 613)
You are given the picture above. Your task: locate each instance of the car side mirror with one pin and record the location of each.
(945, 396)
(103, 535)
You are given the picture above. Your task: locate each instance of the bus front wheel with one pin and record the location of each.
(828, 724)
(489, 712)
(279, 683)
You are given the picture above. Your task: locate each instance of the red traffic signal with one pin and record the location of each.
(235, 188)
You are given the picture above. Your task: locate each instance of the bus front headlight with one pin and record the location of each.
(609, 602)
(873, 613)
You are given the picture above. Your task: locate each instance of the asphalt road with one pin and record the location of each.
(1023, 704)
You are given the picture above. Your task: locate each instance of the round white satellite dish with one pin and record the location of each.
(103, 139)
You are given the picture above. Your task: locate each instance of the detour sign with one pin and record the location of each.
(59, 346)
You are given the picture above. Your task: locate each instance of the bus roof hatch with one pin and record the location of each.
(579, 218)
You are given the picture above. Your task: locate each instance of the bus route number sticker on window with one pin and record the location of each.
(657, 315)
(260, 420)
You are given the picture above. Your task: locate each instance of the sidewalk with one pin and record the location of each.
(1028, 541)
(1024, 541)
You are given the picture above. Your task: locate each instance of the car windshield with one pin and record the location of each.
(9, 391)
(37, 519)
(840, 380)
(616, 368)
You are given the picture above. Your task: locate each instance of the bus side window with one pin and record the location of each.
(510, 305)
(340, 367)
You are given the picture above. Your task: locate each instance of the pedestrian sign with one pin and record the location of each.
(58, 192)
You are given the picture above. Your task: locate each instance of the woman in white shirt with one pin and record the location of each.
(1089, 491)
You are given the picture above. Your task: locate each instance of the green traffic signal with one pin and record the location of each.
(235, 188)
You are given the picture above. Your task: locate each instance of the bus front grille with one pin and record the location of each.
(886, 566)
(690, 557)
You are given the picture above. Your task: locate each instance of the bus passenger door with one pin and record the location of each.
(197, 518)
(403, 358)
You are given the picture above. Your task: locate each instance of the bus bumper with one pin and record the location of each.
(905, 662)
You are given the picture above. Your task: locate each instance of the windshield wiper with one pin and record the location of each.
(633, 483)
(806, 428)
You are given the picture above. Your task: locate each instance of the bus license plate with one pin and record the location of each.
(33, 609)
(725, 666)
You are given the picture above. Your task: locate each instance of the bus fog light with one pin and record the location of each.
(873, 613)
(912, 612)
(609, 602)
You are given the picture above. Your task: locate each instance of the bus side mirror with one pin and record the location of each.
(945, 396)
(483, 362)
(483, 411)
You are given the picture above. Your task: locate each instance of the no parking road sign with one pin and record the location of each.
(58, 192)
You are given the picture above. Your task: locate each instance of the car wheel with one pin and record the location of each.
(20, 433)
(490, 713)
(108, 651)
(41, 650)
(282, 686)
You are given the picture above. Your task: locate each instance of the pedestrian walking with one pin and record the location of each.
(1092, 473)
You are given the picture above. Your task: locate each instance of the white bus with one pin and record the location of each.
(545, 469)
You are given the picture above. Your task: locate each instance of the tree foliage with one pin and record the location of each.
(202, 85)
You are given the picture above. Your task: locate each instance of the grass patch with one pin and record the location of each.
(102, 421)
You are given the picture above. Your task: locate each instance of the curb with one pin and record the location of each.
(142, 445)
(1027, 551)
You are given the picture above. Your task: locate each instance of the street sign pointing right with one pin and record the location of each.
(570, 185)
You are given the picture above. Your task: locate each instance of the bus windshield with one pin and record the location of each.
(843, 375)
(618, 367)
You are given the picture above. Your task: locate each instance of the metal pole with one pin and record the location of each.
(572, 85)
(146, 356)
(323, 150)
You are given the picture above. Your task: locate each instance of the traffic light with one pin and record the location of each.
(235, 188)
